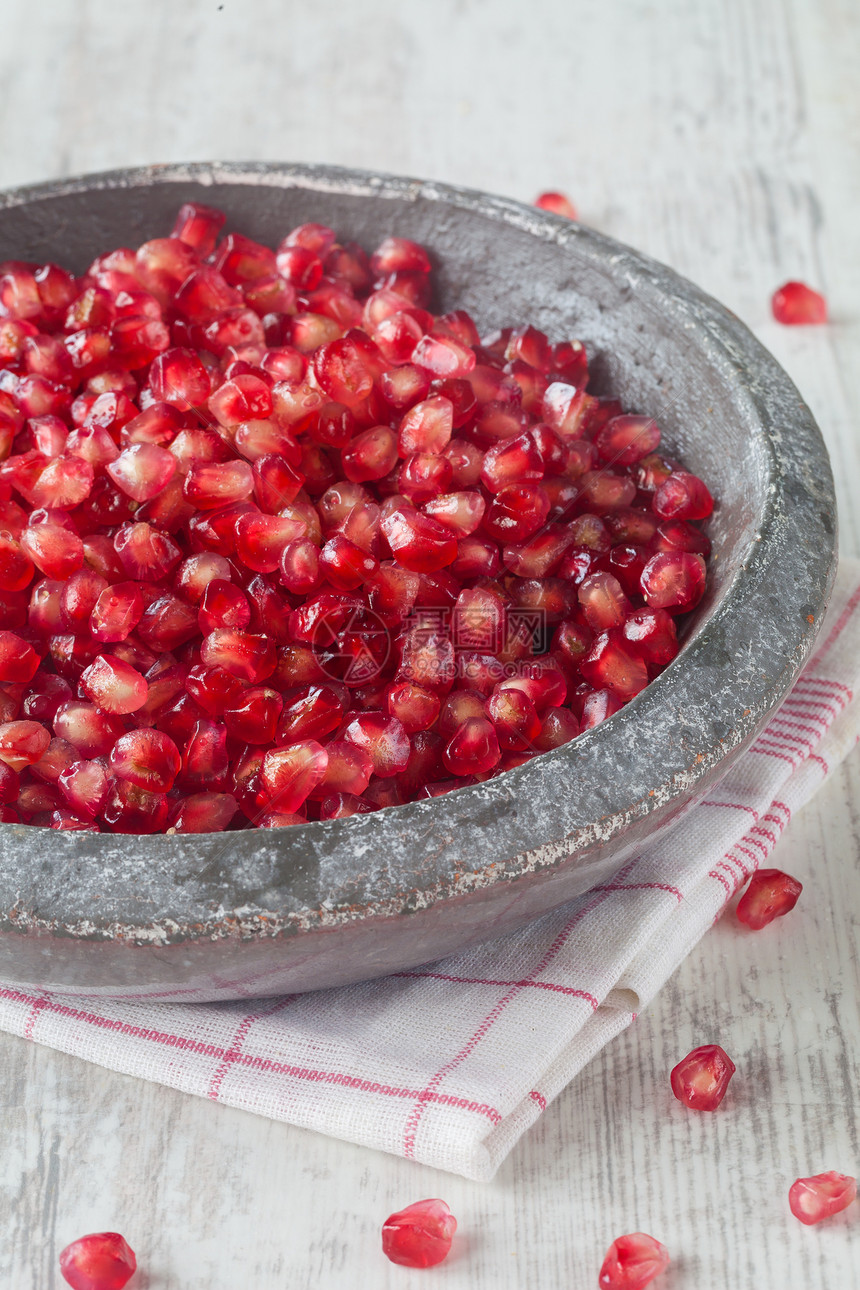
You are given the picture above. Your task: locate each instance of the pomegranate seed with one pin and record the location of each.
(420, 1235)
(102, 1261)
(673, 580)
(371, 455)
(18, 660)
(632, 1262)
(198, 226)
(683, 497)
(795, 303)
(609, 665)
(417, 541)
(146, 758)
(22, 743)
(250, 657)
(700, 1079)
(627, 439)
(178, 377)
(288, 775)
(770, 894)
(142, 470)
(598, 706)
(822, 1196)
(113, 685)
(383, 738)
(134, 810)
(146, 554)
(204, 813)
(557, 203)
(85, 786)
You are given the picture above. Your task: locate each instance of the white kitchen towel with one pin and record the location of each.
(450, 1063)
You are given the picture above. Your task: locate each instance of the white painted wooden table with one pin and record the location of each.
(724, 139)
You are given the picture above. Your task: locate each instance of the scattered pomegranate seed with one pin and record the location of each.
(795, 303)
(278, 543)
(557, 203)
(813, 1199)
(770, 894)
(420, 1235)
(632, 1262)
(102, 1261)
(700, 1079)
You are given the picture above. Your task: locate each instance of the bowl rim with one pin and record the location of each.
(788, 433)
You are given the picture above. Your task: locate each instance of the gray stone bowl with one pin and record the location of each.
(262, 912)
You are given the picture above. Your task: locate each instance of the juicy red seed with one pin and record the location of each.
(217, 484)
(700, 1079)
(383, 738)
(262, 539)
(673, 580)
(85, 786)
(223, 605)
(198, 226)
(418, 542)
(420, 1235)
(796, 303)
(113, 685)
(474, 749)
(146, 758)
(18, 660)
(204, 813)
(627, 439)
(101, 1261)
(371, 455)
(770, 894)
(557, 203)
(22, 743)
(245, 655)
(288, 775)
(610, 665)
(822, 1196)
(683, 497)
(632, 1262)
(253, 718)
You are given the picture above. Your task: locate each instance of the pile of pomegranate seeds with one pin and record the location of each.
(279, 544)
(813, 1199)
(796, 304)
(557, 203)
(420, 1235)
(632, 1262)
(102, 1261)
(700, 1079)
(770, 894)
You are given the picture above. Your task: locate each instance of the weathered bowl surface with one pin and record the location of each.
(266, 911)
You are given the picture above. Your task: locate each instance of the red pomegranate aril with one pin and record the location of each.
(22, 743)
(423, 476)
(627, 439)
(345, 565)
(250, 657)
(598, 706)
(289, 775)
(651, 634)
(632, 1262)
(312, 712)
(770, 894)
(460, 512)
(420, 1235)
(178, 377)
(16, 567)
(683, 497)
(673, 580)
(64, 483)
(558, 727)
(101, 1261)
(276, 483)
(198, 447)
(142, 470)
(813, 1199)
(198, 226)
(474, 749)
(117, 612)
(146, 554)
(609, 665)
(566, 409)
(78, 598)
(223, 605)
(147, 758)
(516, 722)
(205, 760)
(213, 485)
(261, 539)
(540, 556)
(414, 708)
(300, 566)
(678, 535)
(348, 772)
(603, 601)
(84, 786)
(370, 455)
(18, 660)
(254, 716)
(129, 809)
(204, 813)
(418, 542)
(194, 574)
(701, 1079)
(796, 303)
(113, 685)
(94, 444)
(516, 512)
(514, 461)
(557, 204)
(383, 738)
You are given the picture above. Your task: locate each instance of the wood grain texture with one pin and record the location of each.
(723, 139)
